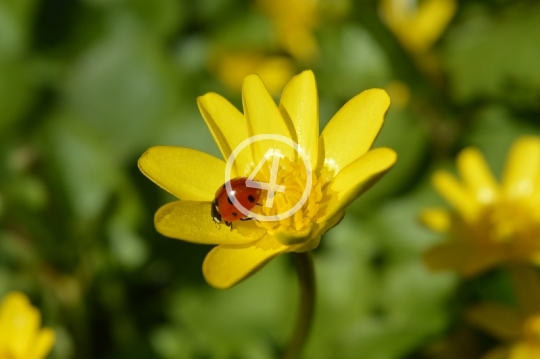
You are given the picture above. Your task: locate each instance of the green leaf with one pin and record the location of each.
(122, 88)
(493, 55)
(355, 62)
(236, 323)
(84, 166)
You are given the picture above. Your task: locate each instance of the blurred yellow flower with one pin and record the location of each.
(399, 92)
(294, 23)
(20, 335)
(343, 168)
(491, 223)
(275, 71)
(508, 325)
(417, 24)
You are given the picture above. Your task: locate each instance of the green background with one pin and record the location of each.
(86, 86)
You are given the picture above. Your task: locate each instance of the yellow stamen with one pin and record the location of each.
(292, 175)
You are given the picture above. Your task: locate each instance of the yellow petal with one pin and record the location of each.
(418, 25)
(522, 167)
(356, 178)
(432, 19)
(192, 222)
(264, 118)
(187, 174)
(232, 68)
(496, 319)
(300, 105)
(476, 174)
(535, 257)
(19, 322)
(480, 260)
(457, 195)
(228, 127)
(437, 219)
(525, 350)
(353, 129)
(42, 345)
(462, 257)
(226, 265)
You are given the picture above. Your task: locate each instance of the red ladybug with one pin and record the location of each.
(223, 205)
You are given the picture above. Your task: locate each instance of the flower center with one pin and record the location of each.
(515, 225)
(301, 203)
(510, 220)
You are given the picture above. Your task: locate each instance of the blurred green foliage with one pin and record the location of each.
(86, 86)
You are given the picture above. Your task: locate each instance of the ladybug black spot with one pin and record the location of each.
(251, 199)
(235, 214)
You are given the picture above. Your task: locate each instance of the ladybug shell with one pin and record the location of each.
(223, 208)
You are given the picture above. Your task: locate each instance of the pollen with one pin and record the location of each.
(293, 177)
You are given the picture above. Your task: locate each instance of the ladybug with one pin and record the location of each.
(223, 205)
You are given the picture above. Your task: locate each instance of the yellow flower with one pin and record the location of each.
(232, 69)
(20, 335)
(417, 26)
(343, 167)
(522, 333)
(294, 23)
(491, 223)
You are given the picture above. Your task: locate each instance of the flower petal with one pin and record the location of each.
(19, 322)
(461, 256)
(437, 219)
(496, 319)
(522, 167)
(187, 174)
(42, 345)
(525, 350)
(476, 174)
(455, 194)
(192, 222)
(228, 127)
(356, 178)
(264, 118)
(226, 265)
(480, 260)
(300, 105)
(353, 129)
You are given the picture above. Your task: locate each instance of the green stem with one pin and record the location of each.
(306, 279)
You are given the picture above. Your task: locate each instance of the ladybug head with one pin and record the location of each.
(215, 212)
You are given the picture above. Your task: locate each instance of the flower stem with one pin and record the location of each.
(306, 279)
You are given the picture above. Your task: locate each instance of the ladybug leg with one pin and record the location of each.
(246, 219)
(228, 224)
